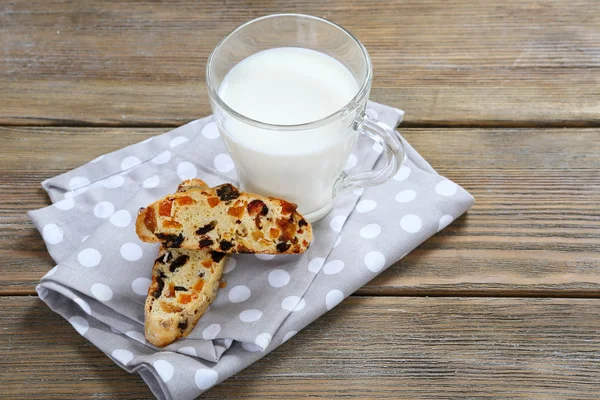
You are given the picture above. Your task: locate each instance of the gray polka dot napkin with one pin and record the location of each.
(103, 270)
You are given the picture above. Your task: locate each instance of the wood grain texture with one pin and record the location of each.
(535, 229)
(368, 347)
(446, 62)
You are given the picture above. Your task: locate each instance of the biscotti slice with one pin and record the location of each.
(224, 219)
(184, 283)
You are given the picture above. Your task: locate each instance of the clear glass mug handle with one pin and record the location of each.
(393, 153)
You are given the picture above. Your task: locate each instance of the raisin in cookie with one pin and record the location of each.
(224, 219)
(184, 283)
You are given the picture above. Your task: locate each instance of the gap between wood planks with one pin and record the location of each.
(63, 123)
(554, 294)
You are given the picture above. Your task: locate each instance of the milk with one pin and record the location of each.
(289, 86)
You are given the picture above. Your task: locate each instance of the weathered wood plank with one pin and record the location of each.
(445, 62)
(368, 347)
(535, 229)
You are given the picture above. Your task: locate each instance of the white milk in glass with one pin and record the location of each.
(289, 86)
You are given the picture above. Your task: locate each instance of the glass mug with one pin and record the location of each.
(301, 163)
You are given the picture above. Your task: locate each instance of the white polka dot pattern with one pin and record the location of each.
(113, 182)
(186, 170)
(375, 261)
(211, 332)
(333, 267)
(403, 173)
(223, 163)
(210, 131)
(89, 257)
(406, 196)
(188, 351)
(239, 294)
(78, 182)
(177, 141)
(411, 223)
(129, 162)
(445, 221)
(164, 369)
(293, 303)
(279, 278)
(101, 292)
(229, 265)
(152, 182)
(446, 188)
(206, 378)
(131, 252)
(140, 286)
(121, 218)
(65, 204)
(52, 234)
(122, 356)
(370, 231)
(333, 298)
(316, 264)
(104, 209)
(288, 336)
(263, 340)
(162, 158)
(337, 223)
(365, 206)
(251, 347)
(250, 315)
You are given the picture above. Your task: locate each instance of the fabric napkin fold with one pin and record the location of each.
(103, 270)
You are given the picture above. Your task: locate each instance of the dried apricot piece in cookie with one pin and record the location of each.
(184, 283)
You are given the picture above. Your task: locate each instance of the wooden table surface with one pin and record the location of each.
(501, 97)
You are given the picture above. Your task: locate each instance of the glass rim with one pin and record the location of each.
(305, 125)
